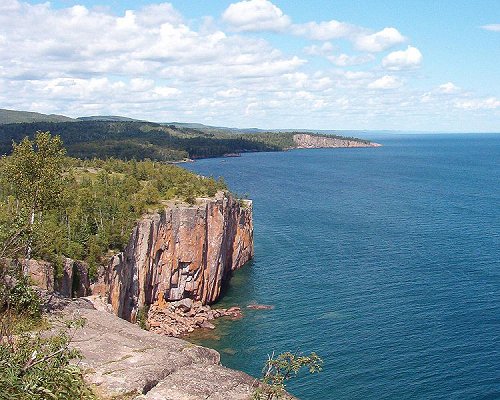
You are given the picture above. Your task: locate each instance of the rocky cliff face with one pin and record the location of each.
(305, 141)
(73, 282)
(182, 252)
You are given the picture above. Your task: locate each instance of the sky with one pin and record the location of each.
(413, 65)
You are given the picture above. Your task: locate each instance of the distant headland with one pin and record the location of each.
(127, 138)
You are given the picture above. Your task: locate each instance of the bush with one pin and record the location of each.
(277, 371)
(24, 300)
(38, 368)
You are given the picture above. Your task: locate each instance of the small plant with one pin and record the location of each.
(277, 371)
(38, 367)
(142, 317)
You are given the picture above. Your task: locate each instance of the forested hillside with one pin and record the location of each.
(13, 117)
(82, 209)
(128, 140)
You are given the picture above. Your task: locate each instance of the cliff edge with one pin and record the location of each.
(123, 361)
(184, 251)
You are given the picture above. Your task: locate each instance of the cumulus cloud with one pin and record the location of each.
(448, 88)
(320, 50)
(490, 103)
(255, 15)
(491, 27)
(379, 41)
(326, 30)
(386, 82)
(9, 5)
(409, 58)
(154, 63)
(345, 60)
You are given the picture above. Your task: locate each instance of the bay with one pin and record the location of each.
(385, 261)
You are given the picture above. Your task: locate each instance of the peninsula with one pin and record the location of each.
(120, 137)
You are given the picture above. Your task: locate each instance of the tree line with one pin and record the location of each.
(82, 209)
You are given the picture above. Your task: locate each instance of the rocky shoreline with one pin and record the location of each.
(182, 317)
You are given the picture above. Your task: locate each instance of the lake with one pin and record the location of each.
(384, 261)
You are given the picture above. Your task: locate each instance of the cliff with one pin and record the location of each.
(181, 252)
(306, 141)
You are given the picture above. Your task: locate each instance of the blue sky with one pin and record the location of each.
(405, 65)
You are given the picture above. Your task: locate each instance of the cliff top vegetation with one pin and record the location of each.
(84, 209)
(126, 140)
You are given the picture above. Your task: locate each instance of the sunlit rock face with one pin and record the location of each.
(306, 141)
(181, 252)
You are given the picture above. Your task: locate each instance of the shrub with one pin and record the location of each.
(35, 367)
(277, 371)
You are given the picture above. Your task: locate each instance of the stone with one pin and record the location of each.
(207, 325)
(74, 281)
(260, 307)
(182, 252)
(123, 361)
(307, 141)
(183, 305)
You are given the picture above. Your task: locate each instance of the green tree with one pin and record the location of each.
(278, 370)
(35, 173)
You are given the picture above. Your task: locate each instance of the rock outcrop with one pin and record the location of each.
(72, 282)
(306, 141)
(182, 252)
(124, 361)
(180, 318)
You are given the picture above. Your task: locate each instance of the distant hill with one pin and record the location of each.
(215, 129)
(109, 118)
(15, 117)
(127, 138)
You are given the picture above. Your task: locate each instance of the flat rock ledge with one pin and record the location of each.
(123, 361)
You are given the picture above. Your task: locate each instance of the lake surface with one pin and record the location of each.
(385, 261)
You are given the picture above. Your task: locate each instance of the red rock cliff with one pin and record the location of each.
(182, 252)
(306, 141)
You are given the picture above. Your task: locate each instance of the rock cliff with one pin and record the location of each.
(306, 141)
(181, 252)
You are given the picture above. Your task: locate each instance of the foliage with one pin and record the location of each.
(34, 171)
(34, 177)
(278, 370)
(38, 367)
(23, 299)
(89, 206)
(142, 140)
(142, 317)
(34, 366)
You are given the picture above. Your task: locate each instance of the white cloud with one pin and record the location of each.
(320, 50)
(345, 60)
(9, 5)
(379, 41)
(165, 91)
(154, 63)
(491, 27)
(409, 58)
(448, 88)
(255, 15)
(490, 103)
(325, 30)
(231, 93)
(156, 14)
(386, 82)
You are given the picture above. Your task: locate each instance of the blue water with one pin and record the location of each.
(385, 261)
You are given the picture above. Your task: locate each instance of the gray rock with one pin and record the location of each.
(184, 305)
(122, 359)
